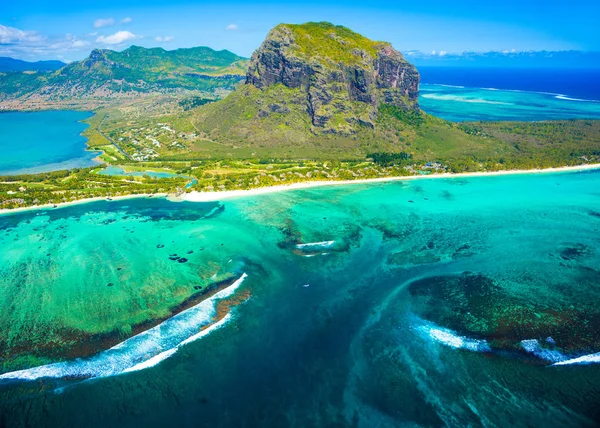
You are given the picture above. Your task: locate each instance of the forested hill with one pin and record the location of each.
(107, 74)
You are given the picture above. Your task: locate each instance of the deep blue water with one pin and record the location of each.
(584, 84)
(43, 141)
(470, 94)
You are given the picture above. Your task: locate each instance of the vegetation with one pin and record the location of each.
(334, 43)
(194, 101)
(109, 77)
(268, 133)
(66, 186)
(388, 159)
(508, 146)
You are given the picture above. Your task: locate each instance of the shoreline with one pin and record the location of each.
(196, 196)
(80, 201)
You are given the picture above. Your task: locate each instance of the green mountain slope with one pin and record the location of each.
(313, 81)
(108, 74)
(322, 85)
(320, 91)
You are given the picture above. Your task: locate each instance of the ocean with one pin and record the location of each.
(460, 301)
(43, 141)
(472, 94)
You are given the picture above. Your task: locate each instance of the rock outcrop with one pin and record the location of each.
(343, 75)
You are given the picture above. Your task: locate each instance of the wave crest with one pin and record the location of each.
(143, 350)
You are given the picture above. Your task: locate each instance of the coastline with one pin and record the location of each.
(80, 201)
(195, 196)
(229, 194)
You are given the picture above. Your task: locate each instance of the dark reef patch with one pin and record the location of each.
(478, 306)
(574, 252)
(446, 195)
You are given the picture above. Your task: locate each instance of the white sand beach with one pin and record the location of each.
(228, 194)
(195, 196)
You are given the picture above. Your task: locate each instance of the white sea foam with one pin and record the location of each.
(143, 350)
(450, 338)
(448, 97)
(322, 244)
(430, 87)
(533, 347)
(166, 354)
(557, 358)
(450, 86)
(585, 359)
(564, 97)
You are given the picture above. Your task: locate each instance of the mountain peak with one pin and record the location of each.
(344, 75)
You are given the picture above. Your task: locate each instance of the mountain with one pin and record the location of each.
(12, 65)
(314, 81)
(139, 67)
(320, 91)
(107, 74)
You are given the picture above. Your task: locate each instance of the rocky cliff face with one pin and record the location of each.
(344, 76)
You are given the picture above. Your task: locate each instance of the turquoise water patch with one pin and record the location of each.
(115, 170)
(460, 301)
(43, 141)
(459, 104)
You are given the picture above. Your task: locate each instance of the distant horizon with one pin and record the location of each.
(38, 30)
(467, 59)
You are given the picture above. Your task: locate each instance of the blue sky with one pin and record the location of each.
(69, 29)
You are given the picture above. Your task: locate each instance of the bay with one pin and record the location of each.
(34, 142)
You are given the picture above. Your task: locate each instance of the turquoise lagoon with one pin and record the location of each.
(463, 301)
(115, 170)
(460, 103)
(43, 141)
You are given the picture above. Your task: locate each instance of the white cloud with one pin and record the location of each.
(165, 39)
(10, 36)
(117, 38)
(68, 43)
(126, 20)
(75, 42)
(19, 43)
(99, 23)
(440, 53)
(231, 27)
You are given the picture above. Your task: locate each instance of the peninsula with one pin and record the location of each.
(316, 102)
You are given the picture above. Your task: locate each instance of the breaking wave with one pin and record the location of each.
(556, 357)
(457, 98)
(451, 338)
(533, 347)
(564, 97)
(315, 245)
(585, 359)
(143, 350)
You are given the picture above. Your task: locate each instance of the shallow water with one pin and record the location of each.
(114, 170)
(425, 302)
(459, 103)
(43, 141)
